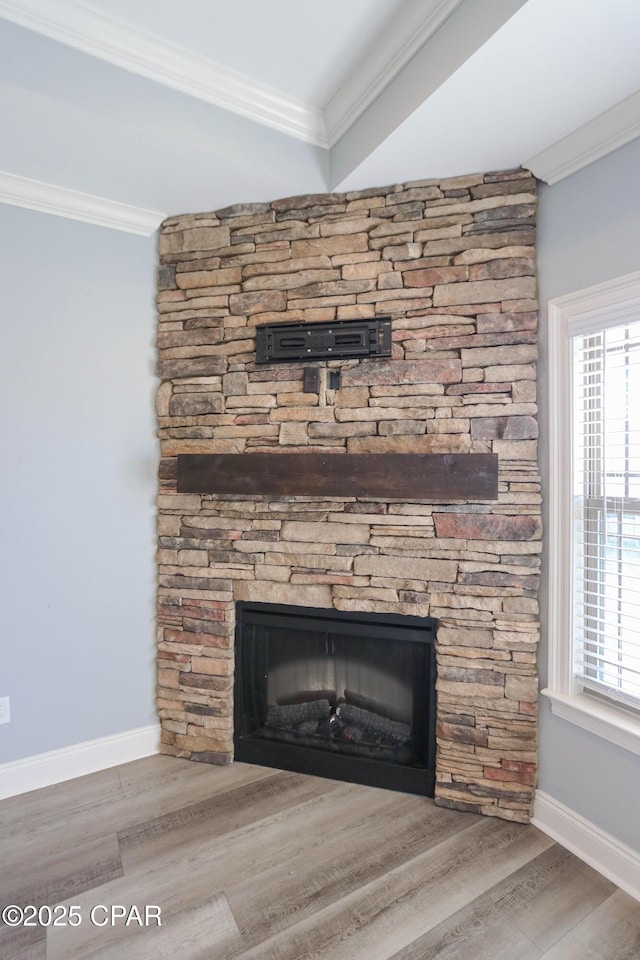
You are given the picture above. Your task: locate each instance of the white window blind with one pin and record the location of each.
(606, 511)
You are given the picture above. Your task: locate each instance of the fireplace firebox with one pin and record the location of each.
(337, 694)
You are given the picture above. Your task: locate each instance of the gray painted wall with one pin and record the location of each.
(589, 232)
(77, 482)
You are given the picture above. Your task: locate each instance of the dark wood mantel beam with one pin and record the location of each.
(419, 476)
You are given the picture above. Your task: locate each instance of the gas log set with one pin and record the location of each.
(327, 722)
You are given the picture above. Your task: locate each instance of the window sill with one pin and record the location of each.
(604, 720)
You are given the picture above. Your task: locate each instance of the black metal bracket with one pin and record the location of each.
(344, 339)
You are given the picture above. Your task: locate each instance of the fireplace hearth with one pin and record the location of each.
(343, 695)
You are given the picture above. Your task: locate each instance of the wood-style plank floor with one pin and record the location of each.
(249, 863)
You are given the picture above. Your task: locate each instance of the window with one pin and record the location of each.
(606, 516)
(594, 529)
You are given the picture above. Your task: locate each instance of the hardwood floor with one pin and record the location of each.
(248, 863)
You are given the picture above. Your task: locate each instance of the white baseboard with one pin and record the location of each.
(599, 849)
(45, 769)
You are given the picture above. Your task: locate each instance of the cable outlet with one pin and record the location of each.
(5, 711)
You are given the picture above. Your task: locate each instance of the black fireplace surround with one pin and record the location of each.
(337, 694)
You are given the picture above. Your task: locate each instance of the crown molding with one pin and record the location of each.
(605, 133)
(63, 202)
(127, 46)
(383, 62)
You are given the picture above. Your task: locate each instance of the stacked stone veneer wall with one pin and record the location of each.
(453, 263)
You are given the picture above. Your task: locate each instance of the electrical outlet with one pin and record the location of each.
(5, 711)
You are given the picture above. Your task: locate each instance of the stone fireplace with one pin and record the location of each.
(452, 263)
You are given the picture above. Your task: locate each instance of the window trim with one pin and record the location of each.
(585, 311)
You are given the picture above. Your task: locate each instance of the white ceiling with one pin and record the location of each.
(123, 111)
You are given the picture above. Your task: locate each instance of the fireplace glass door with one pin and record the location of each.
(345, 695)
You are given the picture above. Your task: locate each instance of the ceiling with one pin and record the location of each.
(123, 111)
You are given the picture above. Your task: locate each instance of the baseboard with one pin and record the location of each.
(599, 849)
(45, 769)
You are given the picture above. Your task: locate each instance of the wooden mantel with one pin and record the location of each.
(420, 476)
